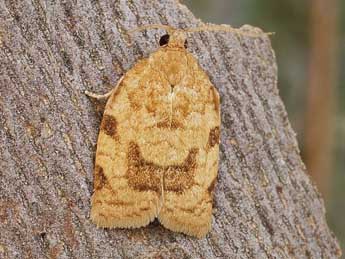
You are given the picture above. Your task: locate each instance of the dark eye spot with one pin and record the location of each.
(185, 44)
(164, 40)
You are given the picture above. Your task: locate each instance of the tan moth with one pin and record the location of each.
(158, 145)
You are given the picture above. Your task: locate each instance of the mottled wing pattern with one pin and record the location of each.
(189, 181)
(122, 196)
(157, 152)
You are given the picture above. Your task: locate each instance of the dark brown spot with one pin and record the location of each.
(99, 178)
(109, 125)
(164, 40)
(213, 137)
(210, 189)
(144, 175)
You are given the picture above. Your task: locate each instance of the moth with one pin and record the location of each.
(158, 145)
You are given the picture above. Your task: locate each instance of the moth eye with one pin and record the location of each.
(164, 40)
(185, 44)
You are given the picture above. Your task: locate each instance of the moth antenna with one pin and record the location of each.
(226, 28)
(206, 27)
(152, 26)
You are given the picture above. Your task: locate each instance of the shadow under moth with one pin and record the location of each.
(158, 145)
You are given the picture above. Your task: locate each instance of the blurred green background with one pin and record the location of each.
(309, 45)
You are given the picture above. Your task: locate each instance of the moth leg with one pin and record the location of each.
(99, 96)
(106, 95)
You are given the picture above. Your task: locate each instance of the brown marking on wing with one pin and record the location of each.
(213, 137)
(135, 98)
(101, 181)
(194, 212)
(215, 99)
(102, 215)
(163, 124)
(190, 210)
(109, 126)
(99, 178)
(210, 189)
(167, 125)
(178, 178)
(143, 175)
(119, 203)
(102, 153)
(175, 124)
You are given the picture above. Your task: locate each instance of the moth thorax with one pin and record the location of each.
(177, 39)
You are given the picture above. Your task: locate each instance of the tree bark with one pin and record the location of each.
(51, 52)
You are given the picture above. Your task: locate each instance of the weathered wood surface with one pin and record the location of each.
(51, 51)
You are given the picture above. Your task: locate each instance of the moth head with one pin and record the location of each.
(174, 39)
(164, 40)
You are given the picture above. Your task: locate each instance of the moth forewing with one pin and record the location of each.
(157, 150)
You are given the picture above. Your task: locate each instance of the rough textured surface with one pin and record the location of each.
(265, 204)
